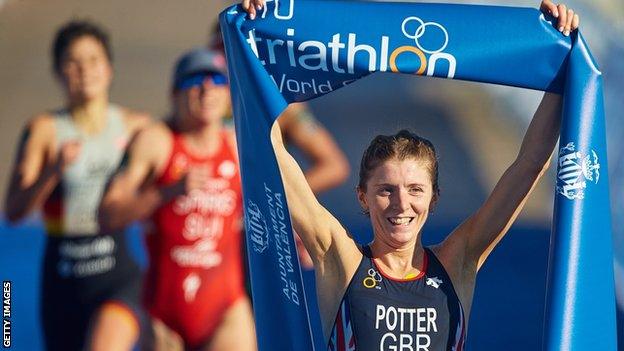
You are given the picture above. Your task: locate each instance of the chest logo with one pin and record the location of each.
(227, 169)
(373, 279)
(434, 282)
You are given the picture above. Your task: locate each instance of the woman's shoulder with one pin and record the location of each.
(134, 120)
(230, 137)
(41, 125)
(153, 144)
(230, 134)
(157, 132)
(43, 118)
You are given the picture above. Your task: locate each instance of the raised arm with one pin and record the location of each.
(471, 243)
(333, 251)
(329, 167)
(318, 228)
(480, 233)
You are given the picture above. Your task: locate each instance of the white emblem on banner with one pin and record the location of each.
(574, 170)
(420, 31)
(257, 229)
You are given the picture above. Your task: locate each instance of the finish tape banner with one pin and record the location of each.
(300, 49)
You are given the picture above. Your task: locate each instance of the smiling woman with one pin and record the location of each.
(423, 294)
(394, 292)
(399, 184)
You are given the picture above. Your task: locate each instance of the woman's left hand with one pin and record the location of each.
(568, 20)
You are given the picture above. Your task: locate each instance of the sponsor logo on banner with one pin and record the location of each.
(284, 253)
(373, 279)
(426, 42)
(256, 227)
(575, 169)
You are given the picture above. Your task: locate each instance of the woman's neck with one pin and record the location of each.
(202, 139)
(399, 263)
(90, 116)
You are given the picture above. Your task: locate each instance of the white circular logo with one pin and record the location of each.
(420, 31)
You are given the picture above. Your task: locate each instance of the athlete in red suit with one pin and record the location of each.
(184, 176)
(196, 268)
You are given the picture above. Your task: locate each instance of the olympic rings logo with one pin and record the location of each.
(372, 280)
(420, 31)
(419, 50)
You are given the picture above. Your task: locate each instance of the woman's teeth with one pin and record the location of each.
(400, 220)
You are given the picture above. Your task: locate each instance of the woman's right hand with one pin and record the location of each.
(68, 153)
(568, 20)
(195, 178)
(251, 6)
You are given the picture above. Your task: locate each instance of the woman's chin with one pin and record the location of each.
(404, 240)
(87, 94)
(399, 237)
(201, 120)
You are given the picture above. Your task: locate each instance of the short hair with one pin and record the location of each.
(73, 30)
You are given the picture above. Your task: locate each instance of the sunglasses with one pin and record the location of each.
(198, 79)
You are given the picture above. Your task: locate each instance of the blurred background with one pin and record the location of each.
(476, 128)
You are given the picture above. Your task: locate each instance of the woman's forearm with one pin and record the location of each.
(24, 199)
(543, 132)
(119, 213)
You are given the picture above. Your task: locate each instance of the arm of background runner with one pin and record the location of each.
(135, 121)
(37, 168)
(329, 165)
(131, 194)
(480, 233)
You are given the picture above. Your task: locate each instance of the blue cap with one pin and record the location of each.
(197, 61)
